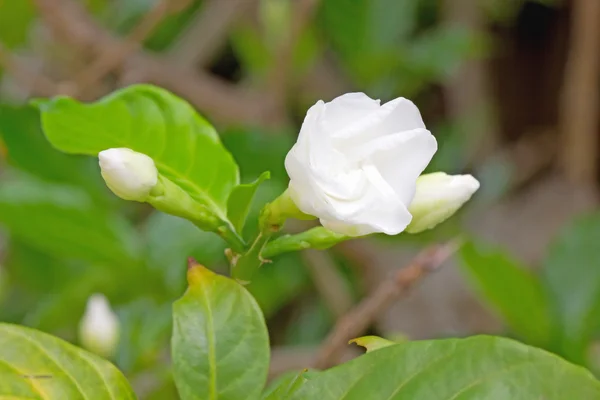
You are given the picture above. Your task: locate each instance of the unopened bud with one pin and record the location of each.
(99, 327)
(129, 174)
(438, 196)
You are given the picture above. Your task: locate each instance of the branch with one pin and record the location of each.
(302, 13)
(38, 83)
(221, 100)
(581, 94)
(208, 31)
(114, 56)
(358, 319)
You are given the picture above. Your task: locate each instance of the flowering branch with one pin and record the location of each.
(358, 319)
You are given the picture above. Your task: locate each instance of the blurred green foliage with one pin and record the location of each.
(65, 236)
(558, 307)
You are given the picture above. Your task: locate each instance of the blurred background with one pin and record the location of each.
(510, 89)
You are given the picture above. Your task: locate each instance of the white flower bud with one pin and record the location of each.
(438, 196)
(99, 327)
(129, 174)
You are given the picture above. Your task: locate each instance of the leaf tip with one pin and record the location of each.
(196, 272)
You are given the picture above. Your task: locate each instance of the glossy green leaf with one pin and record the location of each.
(480, 367)
(35, 365)
(62, 221)
(572, 275)
(220, 344)
(512, 290)
(240, 200)
(371, 343)
(184, 146)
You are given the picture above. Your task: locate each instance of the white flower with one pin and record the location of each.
(129, 174)
(356, 163)
(438, 197)
(99, 327)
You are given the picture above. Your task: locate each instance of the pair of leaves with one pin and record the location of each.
(184, 146)
(220, 352)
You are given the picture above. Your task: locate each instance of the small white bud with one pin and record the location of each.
(99, 327)
(438, 196)
(129, 174)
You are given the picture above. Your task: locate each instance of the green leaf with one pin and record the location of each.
(62, 221)
(35, 365)
(572, 277)
(240, 200)
(512, 290)
(220, 344)
(184, 146)
(372, 343)
(480, 367)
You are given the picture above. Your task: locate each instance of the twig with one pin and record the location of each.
(207, 33)
(223, 101)
(581, 94)
(36, 82)
(302, 13)
(469, 95)
(114, 56)
(358, 319)
(330, 284)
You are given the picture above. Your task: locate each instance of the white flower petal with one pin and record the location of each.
(400, 158)
(347, 109)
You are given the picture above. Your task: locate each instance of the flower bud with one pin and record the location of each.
(129, 174)
(438, 196)
(99, 327)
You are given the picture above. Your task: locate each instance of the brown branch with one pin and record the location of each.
(358, 319)
(302, 13)
(468, 91)
(38, 83)
(207, 33)
(581, 94)
(114, 56)
(221, 100)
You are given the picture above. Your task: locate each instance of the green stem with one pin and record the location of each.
(172, 199)
(247, 264)
(316, 238)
